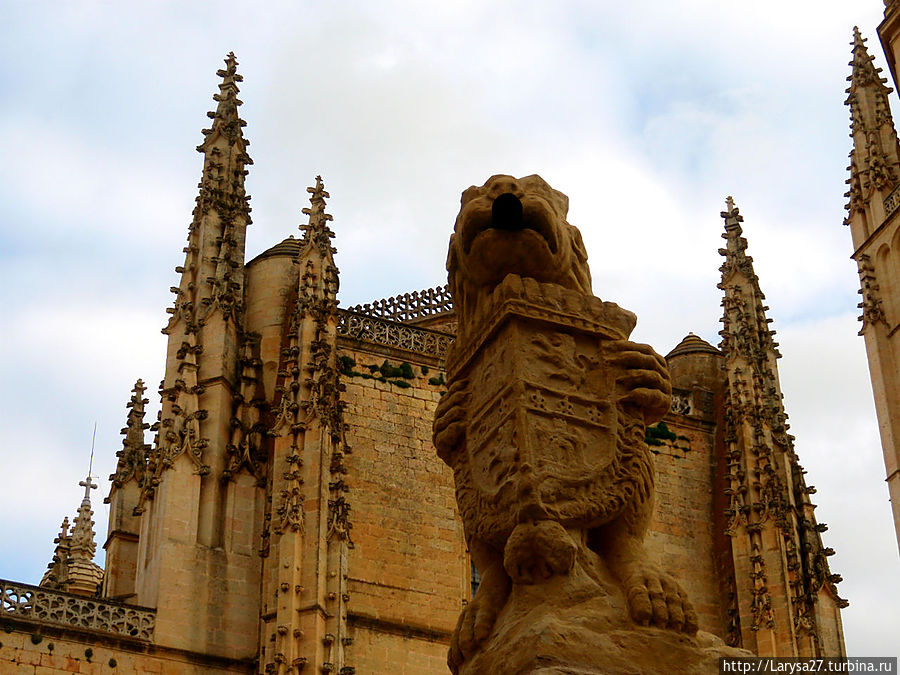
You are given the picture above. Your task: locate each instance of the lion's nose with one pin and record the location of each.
(506, 213)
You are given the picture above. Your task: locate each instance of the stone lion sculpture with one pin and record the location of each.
(544, 420)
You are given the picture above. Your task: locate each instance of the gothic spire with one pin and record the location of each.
(207, 318)
(308, 464)
(213, 272)
(764, 481)
(741, 286)
(84, 575)
(73, 568)
(133, 455)
(874, 161)
(83, 545)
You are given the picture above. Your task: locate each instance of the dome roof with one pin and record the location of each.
(288, 247)
(693, 344)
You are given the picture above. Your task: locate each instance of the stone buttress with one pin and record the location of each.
(197, 563)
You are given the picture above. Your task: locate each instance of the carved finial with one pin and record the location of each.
(133, 455)
(225, 118)
(316, 231)
(83, 544)
(733, 218)
(741, 286)
(732, 214)
(316, 251)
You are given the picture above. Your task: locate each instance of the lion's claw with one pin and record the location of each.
(478, 617)
(644, 381)
(654, 598)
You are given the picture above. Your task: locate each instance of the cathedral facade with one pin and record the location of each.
(290, 514)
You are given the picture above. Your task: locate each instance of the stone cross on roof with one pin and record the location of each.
(88, 485)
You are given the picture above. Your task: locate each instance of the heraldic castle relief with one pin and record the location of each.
(484, 477)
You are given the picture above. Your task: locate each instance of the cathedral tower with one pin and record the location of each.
(874, 198)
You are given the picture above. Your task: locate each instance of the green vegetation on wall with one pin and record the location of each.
(398, 374)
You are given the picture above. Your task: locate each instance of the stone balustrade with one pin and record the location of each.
(409, 306)
(392, 334)
(45, 606)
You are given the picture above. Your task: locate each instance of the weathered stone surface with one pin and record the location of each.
(578, 624)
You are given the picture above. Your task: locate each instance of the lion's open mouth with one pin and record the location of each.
(509, 214)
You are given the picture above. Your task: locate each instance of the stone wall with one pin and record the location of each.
(686, 531)
(682, 532)
(46, 651)
(408, 570)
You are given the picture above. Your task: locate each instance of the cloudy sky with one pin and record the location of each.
(647, 114)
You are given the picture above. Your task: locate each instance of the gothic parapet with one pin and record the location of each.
(390, 333)
(409, 306)
(768, 499)
(43, 606)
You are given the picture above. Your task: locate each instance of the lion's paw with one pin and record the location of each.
(450, 419)
(644, 378)
(478, 618)
(536, 550)
(655, 598)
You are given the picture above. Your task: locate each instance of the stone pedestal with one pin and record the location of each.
(579, 624)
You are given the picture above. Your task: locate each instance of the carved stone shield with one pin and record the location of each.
(542, 435)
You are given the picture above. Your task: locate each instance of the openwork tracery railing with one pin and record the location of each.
(384, 332)
(42, 605)
(891, 202)
(409, 306)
